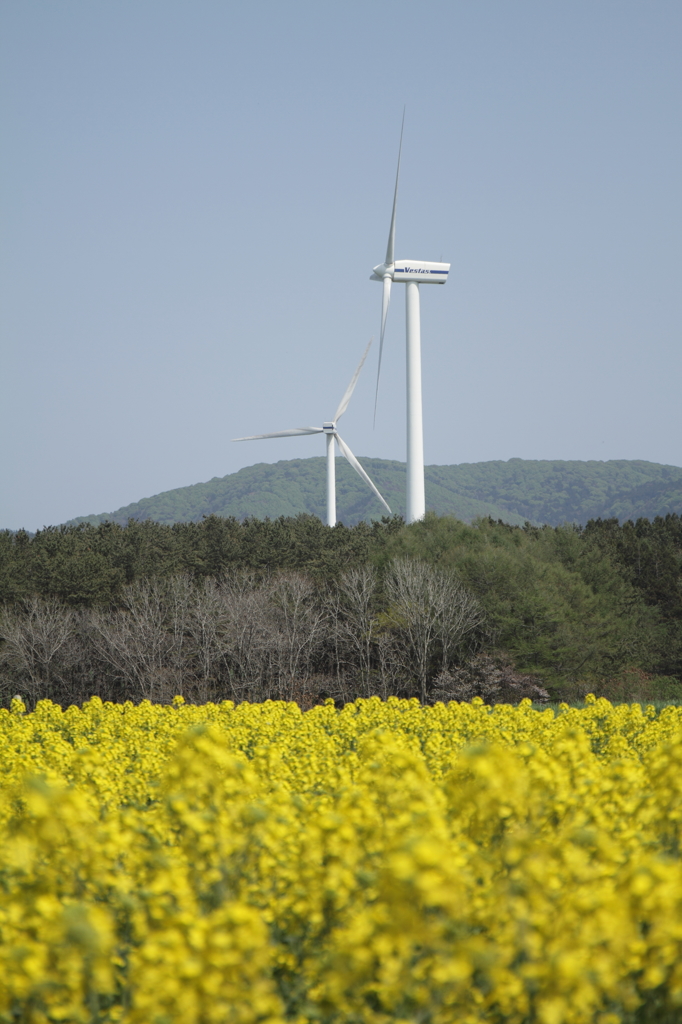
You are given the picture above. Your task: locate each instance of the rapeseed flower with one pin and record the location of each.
(387, 862)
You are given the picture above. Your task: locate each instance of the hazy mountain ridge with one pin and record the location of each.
(544, 491)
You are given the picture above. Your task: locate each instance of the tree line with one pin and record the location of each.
(289, 608)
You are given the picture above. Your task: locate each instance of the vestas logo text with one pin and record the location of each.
(417, 270)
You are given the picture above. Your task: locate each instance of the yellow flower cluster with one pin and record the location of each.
(384, 863)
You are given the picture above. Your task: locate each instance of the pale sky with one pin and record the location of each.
(194, 195)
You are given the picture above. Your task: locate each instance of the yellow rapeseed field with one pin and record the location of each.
(384, 863)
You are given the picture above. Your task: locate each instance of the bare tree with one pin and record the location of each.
(39, 637)
(366, 644)
(206, 626)
(431, 612)
(243, 635)
(297, 624)
(357, 626)
(394, 673)
(143, 641)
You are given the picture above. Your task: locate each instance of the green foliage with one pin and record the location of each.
(558, 605)
(649, 556)
(86, 565)
(514, 491)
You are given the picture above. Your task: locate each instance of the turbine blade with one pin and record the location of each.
(385, 303)
(294, 432)
(391, 234)
(343, 405)
(358, 469)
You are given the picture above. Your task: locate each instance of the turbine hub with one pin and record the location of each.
(381, 271)
(329, 427)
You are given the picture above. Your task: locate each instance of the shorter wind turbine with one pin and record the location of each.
(332, 435)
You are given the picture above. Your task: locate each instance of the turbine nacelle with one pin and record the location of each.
(421, 272)
(329, 428)
(412, 270)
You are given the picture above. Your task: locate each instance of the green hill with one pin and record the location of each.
(515, 491)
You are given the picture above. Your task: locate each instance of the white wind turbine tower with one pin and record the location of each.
(412, 273)
(332, 436)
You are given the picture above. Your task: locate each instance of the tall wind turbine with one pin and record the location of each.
(332, 437)
(412, 273)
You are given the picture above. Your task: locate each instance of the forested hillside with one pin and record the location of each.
(516, 491)
(289, 607)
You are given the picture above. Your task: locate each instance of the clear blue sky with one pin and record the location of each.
(194, 194)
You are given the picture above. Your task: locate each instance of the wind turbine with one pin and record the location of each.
(412, 273)
(332, 435)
